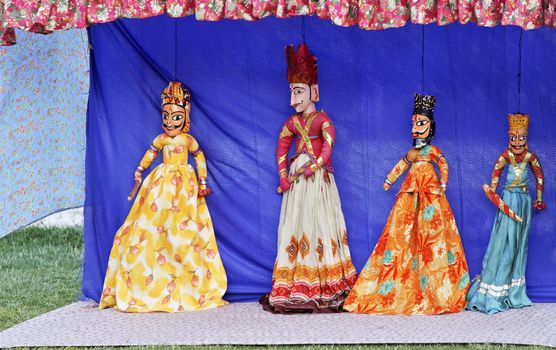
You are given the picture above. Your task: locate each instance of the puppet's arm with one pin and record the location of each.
(201, 165)
(328, 136)
(148, 158)
(398, 170)
(537, 171)
(284, 142)
(145, 162)
(438, 157)
(498, 168)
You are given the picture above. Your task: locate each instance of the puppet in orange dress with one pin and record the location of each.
(164, 256)
(418, 265)
(313, 271)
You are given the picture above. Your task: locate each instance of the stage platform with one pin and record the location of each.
(83, 324)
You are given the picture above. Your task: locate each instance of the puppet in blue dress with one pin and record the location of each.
(501, 284)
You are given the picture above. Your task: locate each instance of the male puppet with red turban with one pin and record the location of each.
(313, 270)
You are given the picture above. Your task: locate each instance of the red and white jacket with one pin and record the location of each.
(314, 137)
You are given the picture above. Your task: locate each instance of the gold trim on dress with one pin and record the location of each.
(304, 132)
(282, 158)
(310, 274)
(518, 170)
(327, 137)
(320, 162)
(285, 132)
(501, 163)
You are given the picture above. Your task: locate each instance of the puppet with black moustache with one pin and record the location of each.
(164, 256)
(501, 284)
(423, 120)
(418, 265)
(312, 237)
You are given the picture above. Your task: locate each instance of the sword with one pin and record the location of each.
(134, 190)
(298, 173)
(499, 203)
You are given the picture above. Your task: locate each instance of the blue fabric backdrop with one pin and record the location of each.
(236, 72)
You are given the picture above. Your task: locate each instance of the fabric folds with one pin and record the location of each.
(501, 284)
(418, 265)
(164, 256)
(366, 79)
(44, 16)
(313, 271)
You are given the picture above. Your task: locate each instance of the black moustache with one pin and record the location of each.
(420, 133)
(171, 126)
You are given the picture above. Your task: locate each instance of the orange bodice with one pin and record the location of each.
(422, 176)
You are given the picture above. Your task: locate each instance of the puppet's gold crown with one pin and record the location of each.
(177, 94)
(518, 121)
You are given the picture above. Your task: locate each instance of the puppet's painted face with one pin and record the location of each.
(518, 141)
(175, 119)
(303, 96)
(421, 126)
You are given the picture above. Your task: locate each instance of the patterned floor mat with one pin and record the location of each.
(82, 324)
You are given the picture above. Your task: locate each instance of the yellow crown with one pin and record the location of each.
(518, 121)
(177, 94)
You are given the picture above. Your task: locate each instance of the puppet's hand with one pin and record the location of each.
(308, 172)
(539, 205)
(204, 192)
(386, 186)
(284, 184)
(443, 187)
(203, 189)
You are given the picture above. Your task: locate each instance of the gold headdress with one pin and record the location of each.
(177, 94)
(518, 121)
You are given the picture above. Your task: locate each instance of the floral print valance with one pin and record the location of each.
(44, 16)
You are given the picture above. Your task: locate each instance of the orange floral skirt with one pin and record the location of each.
(418, 265)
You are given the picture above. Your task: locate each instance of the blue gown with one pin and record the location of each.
(501, 284)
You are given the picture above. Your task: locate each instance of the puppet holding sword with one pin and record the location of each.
(501, 284)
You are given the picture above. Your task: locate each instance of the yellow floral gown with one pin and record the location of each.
(164, 256)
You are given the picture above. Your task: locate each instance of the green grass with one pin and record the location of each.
(40, 271)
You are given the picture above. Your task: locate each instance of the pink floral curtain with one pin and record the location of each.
(44, 16)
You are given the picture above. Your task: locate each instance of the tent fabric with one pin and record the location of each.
(236, 72)
(47, 15)
(43, 103)
(7, 36)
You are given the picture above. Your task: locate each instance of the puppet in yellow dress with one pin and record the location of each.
(164, 256)
(418, 265)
